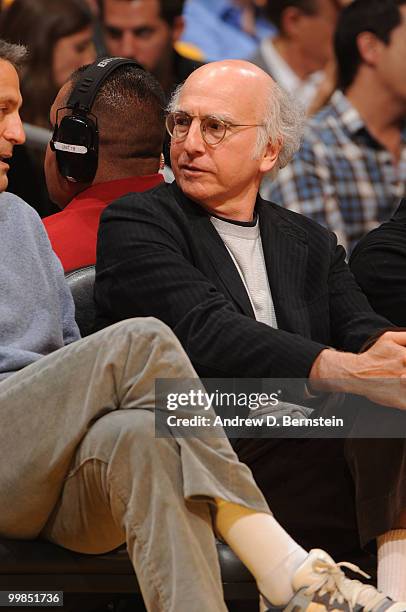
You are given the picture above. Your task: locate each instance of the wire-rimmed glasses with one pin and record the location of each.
(213, 129)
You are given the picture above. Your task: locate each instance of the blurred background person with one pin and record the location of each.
(58, 34)
(226, 29)
(330, 79)
(94, 7)
(350, 172)
(148, 32)
(303, 46)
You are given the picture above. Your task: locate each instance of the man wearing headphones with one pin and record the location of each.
(89, 163)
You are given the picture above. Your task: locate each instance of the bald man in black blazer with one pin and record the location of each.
(277, 306)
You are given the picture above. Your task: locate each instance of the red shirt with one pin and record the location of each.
(73, 231)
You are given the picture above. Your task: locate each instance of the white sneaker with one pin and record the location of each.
(320, 585)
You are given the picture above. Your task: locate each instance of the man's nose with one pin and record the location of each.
(128, 47)
(14, 131)
(194, 142)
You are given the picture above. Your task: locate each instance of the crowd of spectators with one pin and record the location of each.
(350, 172)
(271, 108)
(347, 175)
(58, 34)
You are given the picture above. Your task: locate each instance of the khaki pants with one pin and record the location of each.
(80, 464)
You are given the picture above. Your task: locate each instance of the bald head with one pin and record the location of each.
(225, 78)
(230, 69)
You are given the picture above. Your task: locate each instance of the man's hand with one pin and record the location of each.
(378, 374)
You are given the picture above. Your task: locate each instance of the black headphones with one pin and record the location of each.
(75, 139)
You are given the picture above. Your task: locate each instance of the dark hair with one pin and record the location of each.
(169, 9)
(15, 54)
(39, 24)
(377, 16)
(130, 111)
(274, 9)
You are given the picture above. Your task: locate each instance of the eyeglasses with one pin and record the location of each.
(213, 130)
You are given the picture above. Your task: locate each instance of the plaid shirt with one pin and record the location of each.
(341, 177)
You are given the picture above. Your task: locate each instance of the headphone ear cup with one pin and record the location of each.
(76, 144)
(54, 138)
(76, 139)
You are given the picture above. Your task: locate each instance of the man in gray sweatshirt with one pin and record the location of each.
(37, 316)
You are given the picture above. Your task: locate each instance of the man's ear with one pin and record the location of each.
(270, 156)
(177, 28)
(369, 47)
(291, 21)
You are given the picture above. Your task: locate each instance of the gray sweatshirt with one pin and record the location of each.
(36, 306)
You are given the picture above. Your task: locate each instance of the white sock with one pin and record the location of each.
(264, 547)
(392, 564)
(276, 584)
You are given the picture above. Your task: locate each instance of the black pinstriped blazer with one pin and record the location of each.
(159, 255)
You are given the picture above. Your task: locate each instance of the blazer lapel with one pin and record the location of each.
(222, 268)
(285, 250)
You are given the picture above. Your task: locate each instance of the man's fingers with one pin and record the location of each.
(395, 336)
